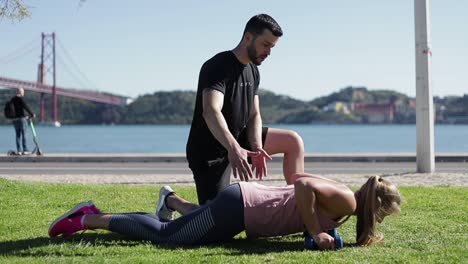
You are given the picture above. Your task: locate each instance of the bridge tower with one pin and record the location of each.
(47, 72)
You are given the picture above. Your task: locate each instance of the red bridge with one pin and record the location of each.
(46, 71)
(94, 96)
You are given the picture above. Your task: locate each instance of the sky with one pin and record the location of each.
(140, 47)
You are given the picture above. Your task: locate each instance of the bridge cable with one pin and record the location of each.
(84, 77)
(18, 53)
(67, 69)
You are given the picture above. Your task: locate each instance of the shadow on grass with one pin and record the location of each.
(27, 247)
(262, 246)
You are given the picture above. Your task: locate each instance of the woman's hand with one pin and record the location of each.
(324, 241)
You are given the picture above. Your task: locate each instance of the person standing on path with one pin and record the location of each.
(226, 132)
(20, 122)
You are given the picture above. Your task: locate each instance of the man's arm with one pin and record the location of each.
(254, 127)
(25, 106)
(212, 105)
(254, 134)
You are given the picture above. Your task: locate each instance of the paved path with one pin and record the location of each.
(350, 173)
(170, 168)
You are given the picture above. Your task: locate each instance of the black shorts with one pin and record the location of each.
(212, 179)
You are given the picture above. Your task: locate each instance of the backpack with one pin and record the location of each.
(9, 110)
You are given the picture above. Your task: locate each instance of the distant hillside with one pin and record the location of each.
(348, 105)
(161, 108)
(276, 108)
(359, 95)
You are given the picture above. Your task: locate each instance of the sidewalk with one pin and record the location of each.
(179, 157)
(409, 178)
(402, 179)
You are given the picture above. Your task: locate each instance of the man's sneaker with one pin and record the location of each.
(162, 211)
(72, 221)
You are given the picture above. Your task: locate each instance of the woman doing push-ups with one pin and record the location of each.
(313, 204)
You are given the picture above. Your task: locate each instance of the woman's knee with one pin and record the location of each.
(284, 141)
(295, 141)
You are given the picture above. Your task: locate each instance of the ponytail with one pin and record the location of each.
(376, 199)
(365, 226)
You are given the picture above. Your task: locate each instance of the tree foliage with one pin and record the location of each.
(17, 9)
(176, 107)
(14, 10)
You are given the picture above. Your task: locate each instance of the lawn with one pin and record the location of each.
(431, 228)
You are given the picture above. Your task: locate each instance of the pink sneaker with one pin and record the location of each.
(72, 221)
(92, 207)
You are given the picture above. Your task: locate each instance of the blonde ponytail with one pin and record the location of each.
(376, 199)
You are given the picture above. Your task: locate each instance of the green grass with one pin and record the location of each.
(431, 228)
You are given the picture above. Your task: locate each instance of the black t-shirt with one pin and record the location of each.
(20, 106)
(239, 84)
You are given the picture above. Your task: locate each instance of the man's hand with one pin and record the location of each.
(240, 166)
(259, 163)
(324, 241)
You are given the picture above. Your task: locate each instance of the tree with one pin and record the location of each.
(13, 9)
(16, 9)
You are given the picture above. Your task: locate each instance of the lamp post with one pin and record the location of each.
(424, 102)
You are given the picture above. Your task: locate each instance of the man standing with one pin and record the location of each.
(20, 122)
(227, 127)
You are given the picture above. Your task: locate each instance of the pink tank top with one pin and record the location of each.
(271, 211)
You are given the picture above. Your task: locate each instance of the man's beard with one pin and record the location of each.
(252, 53)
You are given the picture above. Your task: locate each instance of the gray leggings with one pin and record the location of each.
(217, 221)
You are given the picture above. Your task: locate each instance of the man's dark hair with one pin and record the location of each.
(260, 22)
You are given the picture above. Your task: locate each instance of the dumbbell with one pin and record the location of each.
(309, 242)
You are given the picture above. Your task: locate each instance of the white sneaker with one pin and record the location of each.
(162, 211)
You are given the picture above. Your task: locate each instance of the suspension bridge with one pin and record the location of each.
(46, 82)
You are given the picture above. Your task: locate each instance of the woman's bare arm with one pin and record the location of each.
(334, 199)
